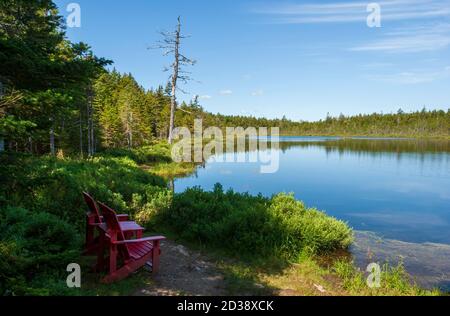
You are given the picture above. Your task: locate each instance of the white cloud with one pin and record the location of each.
(205, 97)
(412, 77)
(258, 93)
(225, 92)
(412, 40)
(355, 11)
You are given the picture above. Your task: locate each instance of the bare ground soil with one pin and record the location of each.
(185, 272)
(189, 272)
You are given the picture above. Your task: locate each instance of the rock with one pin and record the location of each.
(320, 288)
(181, 249)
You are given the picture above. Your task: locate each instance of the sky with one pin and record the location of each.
(299, 59)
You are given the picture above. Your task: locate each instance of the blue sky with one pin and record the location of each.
(271, 58)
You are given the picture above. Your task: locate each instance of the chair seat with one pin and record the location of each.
(139, 250)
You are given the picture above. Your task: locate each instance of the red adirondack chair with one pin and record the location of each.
(127, 256)
(93, 219)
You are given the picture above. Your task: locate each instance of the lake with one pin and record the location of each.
(396, 190)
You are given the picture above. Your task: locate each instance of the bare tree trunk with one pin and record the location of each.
(171, 44)
(2, 140)
(52, 140)
(92, 132)
(90, 125)
(88, 129)
(30, 143)
(130, 135)
(81, 133)
(60, 136)
(176, 68)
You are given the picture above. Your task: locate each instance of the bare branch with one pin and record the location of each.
(185, 111)
(170, 44)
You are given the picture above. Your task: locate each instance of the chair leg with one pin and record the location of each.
(89, 234)
(155, 256)
(113, 259)
(101, 252)
(125, 270)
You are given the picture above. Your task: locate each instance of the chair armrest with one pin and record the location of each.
(123, 217)
(120, 217)
(137, 241)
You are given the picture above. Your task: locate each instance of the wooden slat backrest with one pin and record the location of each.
(93, 208)
(114, 229)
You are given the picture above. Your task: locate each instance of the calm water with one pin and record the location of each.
(396, 188)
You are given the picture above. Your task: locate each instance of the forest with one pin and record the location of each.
(59, 96)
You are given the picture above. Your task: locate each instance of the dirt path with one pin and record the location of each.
(185, 272)
(188, 272)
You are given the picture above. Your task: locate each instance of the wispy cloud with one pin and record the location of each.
(205, 97)
(412, 40)
(258, 93)
(226, 92)
(412, 77)
(375, 65)
(341, 12)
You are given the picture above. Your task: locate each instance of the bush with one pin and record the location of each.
(32, 245)
(253, 225)
(147, 206)
(55, 185)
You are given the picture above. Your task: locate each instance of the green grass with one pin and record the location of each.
(301, 277)
(170, 170)
(394, 281)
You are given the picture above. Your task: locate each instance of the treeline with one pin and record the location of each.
(130, 115)
(56, 95)
(435, 123)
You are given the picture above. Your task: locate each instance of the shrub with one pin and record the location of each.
(154, 201)
(32, 245)
(55, 185)
(253, 225)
